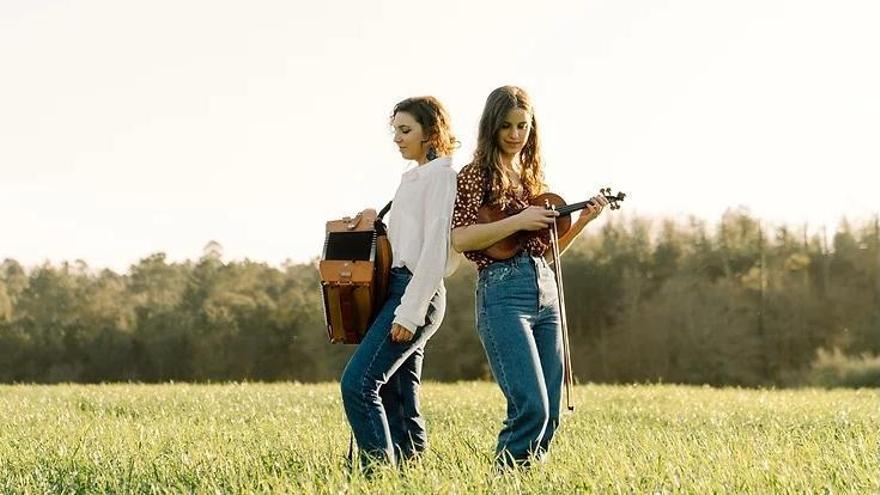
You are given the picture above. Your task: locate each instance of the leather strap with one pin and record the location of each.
(379, 224)
(346, 306)
(385, 210)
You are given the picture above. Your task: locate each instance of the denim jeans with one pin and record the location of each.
(380, 384)
(519, 325)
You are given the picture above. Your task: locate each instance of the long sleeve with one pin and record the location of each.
(432, 261)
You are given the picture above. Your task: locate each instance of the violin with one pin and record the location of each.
(508, 247)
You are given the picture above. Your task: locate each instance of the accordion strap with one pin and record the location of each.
(384, 210)
(380, 225)
(346, 303)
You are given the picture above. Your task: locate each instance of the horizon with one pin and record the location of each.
(814, 233)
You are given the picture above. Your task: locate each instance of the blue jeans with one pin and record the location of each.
(380, 384)
(519, 325)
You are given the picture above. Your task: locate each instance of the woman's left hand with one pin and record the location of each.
(399, 333)
(593, 209)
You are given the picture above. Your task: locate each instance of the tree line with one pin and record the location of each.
(732, 303)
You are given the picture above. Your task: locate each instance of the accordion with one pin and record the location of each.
(354, 270)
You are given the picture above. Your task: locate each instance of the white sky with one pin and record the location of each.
(129, 127)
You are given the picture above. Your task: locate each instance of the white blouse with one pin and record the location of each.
(419, 230)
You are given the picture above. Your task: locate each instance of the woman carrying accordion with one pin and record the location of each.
(380, 384)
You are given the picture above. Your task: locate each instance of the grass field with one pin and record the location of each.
(293, 438)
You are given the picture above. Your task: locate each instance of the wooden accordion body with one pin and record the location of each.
(354, 269)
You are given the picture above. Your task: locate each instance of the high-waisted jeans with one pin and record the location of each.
(519, 325)
(380, 384)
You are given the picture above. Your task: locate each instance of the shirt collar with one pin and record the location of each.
(420, 170)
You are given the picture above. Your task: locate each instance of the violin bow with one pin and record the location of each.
(567, 377)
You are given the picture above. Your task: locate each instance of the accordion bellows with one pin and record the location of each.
(354, 271)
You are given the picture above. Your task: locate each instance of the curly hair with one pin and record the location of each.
(434, 119)
(487, 155)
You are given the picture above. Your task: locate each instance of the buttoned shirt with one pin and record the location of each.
(419, 230)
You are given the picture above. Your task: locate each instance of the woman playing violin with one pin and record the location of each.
(517, 314)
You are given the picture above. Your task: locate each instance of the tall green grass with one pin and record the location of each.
(293, 438)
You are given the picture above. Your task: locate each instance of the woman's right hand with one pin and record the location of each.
(536, 218)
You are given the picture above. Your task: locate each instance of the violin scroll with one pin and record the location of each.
(613, 200)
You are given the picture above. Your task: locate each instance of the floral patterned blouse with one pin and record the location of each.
(469, 199)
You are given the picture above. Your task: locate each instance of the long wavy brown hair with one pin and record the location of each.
(435, 122)
(487, 156)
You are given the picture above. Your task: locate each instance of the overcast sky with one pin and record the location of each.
(128, 127)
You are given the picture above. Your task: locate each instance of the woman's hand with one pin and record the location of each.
(536, 218)
(597, 203)
(399, 333)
